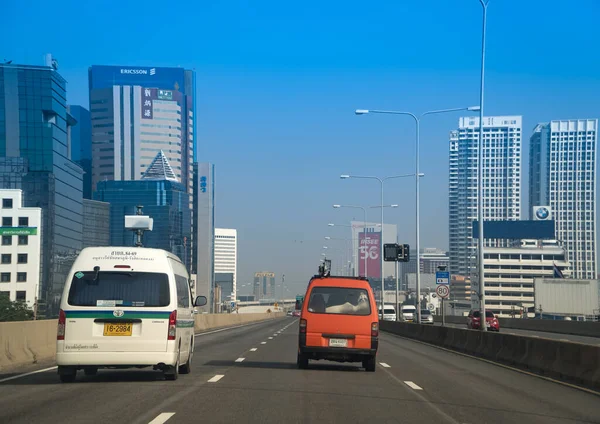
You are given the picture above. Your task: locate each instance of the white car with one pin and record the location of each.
(407, 312)
(389, 313)
(426, 317)
(126, 307)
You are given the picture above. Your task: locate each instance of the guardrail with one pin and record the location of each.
(576, 328)
(567, 361)
(30, 342)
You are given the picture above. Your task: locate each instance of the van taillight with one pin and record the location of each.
(303, 326)
(374, 329)
(172, 326)
(62, 321)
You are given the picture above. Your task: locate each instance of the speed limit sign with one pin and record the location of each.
(443, 291)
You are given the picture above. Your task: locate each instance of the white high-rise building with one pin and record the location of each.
(226, 257)
(562, 177)
(501, 182)
(21, 234)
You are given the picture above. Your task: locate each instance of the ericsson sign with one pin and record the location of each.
(151, 71)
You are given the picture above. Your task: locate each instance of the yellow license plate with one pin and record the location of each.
(117, 329)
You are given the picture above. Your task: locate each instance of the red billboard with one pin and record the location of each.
(369, 247)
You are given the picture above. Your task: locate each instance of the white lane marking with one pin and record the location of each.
(535, 336)
(263, 342)
(216, 378)
(512, 334)
(564, 340)
(228, 328)
(240, 360)
(253, 349)
(384, 365)
(412, 385)
(270, 338)
(14, 377)
(162, 418)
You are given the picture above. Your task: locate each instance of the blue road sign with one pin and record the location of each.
(442, 277)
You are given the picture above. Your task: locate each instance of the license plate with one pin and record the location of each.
(117, 329)
(338, 342)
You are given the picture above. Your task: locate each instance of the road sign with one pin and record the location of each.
(431, 307)
(443, 291)
(442, 277)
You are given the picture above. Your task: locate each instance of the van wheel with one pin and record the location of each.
(172, 372)
(187, 367)
(369, 364)
(302, 361)
(90, 371)
(67, 374)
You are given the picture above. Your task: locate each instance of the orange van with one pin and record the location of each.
(339, 322)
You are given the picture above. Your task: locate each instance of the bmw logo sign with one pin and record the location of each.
(542, 213)
(118, 313)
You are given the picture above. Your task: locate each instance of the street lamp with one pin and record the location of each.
(417, 176)
(364, 226)
(381, 181)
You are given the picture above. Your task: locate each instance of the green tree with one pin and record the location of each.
(14, 311)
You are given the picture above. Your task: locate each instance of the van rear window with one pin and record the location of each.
(110, 288)
(339, 300)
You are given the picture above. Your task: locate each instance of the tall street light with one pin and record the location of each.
(417, 176)
(364, 227)
(480, 244)
(381, 181)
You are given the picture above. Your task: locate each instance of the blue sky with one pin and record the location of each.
(278, 83)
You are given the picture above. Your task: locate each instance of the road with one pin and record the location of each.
(541, 334)
(249, 375)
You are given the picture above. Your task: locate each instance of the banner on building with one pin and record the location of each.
(369, 247)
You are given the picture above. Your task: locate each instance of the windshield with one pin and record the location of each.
(425, 312)
(339, 300)
(110, 289)
(388, 311)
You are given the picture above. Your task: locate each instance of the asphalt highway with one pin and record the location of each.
(249, 375)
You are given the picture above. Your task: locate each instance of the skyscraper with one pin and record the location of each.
(562, 177)
(501, 182)
(226, 258)
(80, 147)
(264, 285)
(136, 112)
(34, 157)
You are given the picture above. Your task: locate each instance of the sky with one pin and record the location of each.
(278, 82)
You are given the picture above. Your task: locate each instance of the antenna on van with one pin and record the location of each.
(139, 223)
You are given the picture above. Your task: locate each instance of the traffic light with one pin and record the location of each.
(393, 252)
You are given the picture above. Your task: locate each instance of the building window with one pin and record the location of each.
(7, 203)
(22, 258)
(6, 258)
(23, 240)
(7, 221)
(23, 221)
(5, 277)
(21, 277)
(21, 296)
(6, 240)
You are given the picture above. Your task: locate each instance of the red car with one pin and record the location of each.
(474, 321)
(296, 313)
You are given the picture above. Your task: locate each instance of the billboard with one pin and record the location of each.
(516, 230)
(369, 247)
(165, 78)
(566, 296)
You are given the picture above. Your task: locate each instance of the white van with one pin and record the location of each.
(389, 313)
(126, 307)
(408, 312)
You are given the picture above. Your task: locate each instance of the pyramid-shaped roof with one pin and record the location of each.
(160, 169)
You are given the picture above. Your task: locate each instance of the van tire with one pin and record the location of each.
(172, 372)
(370, 363)
(90, 371)
(187, 367)
(67, 374)
(302, 361)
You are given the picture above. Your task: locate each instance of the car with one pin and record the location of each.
(339, 322)
(407, 312)
(389, 313)
(474, 320)
(426, 317)
(296, 313)
(123, 308)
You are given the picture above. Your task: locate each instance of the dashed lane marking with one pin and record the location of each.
(270, 338)
(253, 349)
(412, 385)
(384, 365)
(162, 418)
(240, 360)
(263, 342)
(216, 378)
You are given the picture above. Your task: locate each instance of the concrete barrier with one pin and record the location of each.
(30, 342)
(573, 362)
(577, 328)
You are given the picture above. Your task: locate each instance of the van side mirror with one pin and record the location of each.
(200, 301)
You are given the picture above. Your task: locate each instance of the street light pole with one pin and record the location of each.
(480, 243)
(417, 175)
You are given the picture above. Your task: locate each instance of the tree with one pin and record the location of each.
(14, 311)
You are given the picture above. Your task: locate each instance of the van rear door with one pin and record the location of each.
(339, 317)
(117, 311)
